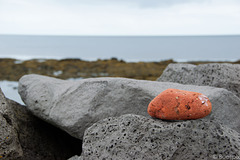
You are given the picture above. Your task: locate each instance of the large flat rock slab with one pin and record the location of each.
(137, 137)
(75, 106)
(215, 74)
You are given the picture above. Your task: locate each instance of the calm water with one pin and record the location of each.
(132, 48)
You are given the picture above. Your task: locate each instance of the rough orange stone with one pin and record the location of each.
(175, 104)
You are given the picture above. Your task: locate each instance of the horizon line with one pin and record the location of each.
(70, 35)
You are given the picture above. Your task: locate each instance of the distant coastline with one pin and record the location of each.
(13, 69)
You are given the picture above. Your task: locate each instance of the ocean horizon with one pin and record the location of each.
(127, 48)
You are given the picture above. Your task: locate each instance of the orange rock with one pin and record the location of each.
(175, 104)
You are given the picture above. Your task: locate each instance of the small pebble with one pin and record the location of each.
(175, 104)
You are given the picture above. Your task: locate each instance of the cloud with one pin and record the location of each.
(136, 3)
(144, 3)
(120, 17)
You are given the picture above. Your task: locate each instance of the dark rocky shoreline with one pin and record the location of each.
(106, 118)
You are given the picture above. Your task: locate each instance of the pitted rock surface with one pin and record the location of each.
(137, 137)
(217, 75)
(75, 106)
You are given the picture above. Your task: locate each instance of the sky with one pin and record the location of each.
(120, 17)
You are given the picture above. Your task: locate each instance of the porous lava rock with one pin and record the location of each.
(175, 104)
(138, 137)
(220, 75)
(75, 106)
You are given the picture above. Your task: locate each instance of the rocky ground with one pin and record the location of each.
(13, 69)
(106, 118)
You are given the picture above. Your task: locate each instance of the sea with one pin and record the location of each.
(128, 48)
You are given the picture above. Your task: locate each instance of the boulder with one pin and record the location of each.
(40, 140)
(138, 137)
(30, 137)
(75, 106)
(10, 147)
(214, 74)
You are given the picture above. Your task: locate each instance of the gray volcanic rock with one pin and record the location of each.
(76, 158)
(75, 106)
(10, 147)
(26, 137)
(218, 75)
(40, 140)
(138, 137)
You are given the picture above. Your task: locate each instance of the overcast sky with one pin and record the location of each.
(120, 17)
